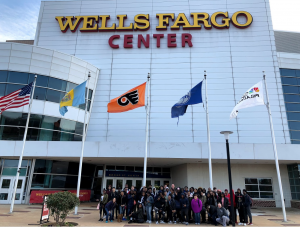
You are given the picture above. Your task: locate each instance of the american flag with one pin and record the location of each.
(16, 99)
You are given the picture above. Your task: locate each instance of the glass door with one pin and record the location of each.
(119, 184)
(7, 187)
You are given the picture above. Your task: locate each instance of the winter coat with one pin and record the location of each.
(225, 205)
(196, 205)
(239, 200)
(203, 199)
(110, 205)
(212, 210)
(248, 201)
(130, 200)
(221, 212)
(160, 202)
(210, 201)
(234, 199)
(172, 204)
(123, 200)
(105, 199)
(184, 202)
(140, 214)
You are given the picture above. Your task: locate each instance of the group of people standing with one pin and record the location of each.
(175, 205)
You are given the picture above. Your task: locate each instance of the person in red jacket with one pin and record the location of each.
(227, 195)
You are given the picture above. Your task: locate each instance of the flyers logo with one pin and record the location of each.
(131, 97)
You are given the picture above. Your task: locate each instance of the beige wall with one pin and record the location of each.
(197, 176)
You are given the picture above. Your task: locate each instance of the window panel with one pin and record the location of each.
(120, 168)
(11, 133)
(295, 135)
(265, 181)
(17, 77)
(40, 93)
(40, 181)
(110, 168)
(12, 87)
(252, 187)
(57, 84)
(292, 98)
(35, 120)
(289, 80)
(292, 106)
(60, 167)
(251, 181)
(265, 188)
(297, 73)
(139, 169)
(66, 136)
(293, 116)
(90, 94)
(130, 168)
(295, 141)
(33, 134)
(2, 89)
(67, 125)
(253, 194)
(70, 86)
(54, 96)
(3, 76)
(40, 80)
(294, 125)
(13, 118)
(267, 195)
(290, 89)
(288, 72)
(43, 166)
(79, 128)
(58, 181)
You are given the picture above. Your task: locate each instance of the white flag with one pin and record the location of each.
(253, 97)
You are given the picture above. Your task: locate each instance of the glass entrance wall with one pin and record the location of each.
(294, 178)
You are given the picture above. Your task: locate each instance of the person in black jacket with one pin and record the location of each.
(159, 207)
(223, 200)
(209, 200)
(137, 216)
(247, 205)
(172, 209)
(122, 203)
(240, 205)
(212, 213)
(184, 205)
(114, 195)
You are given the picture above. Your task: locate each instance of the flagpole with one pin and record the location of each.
(275, 151)
(208, 136)
(83, 140)
(22, 152)
(147, 130)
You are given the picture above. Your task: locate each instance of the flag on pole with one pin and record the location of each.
(254, 96)
(130, 100)
(75, 97)
(194, 96)
(16, 99)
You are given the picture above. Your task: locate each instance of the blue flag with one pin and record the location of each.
(194, 96)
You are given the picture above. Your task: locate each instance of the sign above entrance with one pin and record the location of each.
(141, 22)
(135, 174)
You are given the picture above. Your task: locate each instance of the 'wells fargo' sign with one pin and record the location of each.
(98, 23)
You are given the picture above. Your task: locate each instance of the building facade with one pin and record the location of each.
(174, 41)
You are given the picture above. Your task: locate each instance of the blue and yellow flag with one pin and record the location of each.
(75, 97)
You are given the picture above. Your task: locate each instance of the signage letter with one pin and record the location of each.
(181, 20)
(225, 21)
(121, 23)
(141, 22)
(69, 23)
(111, 39)
(186, 38)
(128, 41)
(171, 40)
(245, 14)
(104, 27)
(88, 24)
(142, 40)
(204, 19)
(163, 20)
(158, 36)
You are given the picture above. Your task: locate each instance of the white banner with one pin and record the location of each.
(253, 97)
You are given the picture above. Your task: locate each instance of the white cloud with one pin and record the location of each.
(18, 22)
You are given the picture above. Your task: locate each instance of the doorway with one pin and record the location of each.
(6, 189)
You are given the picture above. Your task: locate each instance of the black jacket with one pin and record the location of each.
(159, 202)
(184, 201)
(239, 199)
(210, 201)
(225, 202)
(139, 213)
(113, 195)
(172, 204)
(123, 200)
(212, 210)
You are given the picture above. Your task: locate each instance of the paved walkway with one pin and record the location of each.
(26, 215)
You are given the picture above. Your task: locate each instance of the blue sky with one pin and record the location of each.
(18, 18)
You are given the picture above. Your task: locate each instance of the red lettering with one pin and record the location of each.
(128, 41)
(171, 40)
(142, 40)
(186, 38)
(111, 39)
(158, 36)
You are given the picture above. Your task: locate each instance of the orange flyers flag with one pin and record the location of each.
(130, 100)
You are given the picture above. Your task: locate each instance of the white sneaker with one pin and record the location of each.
(149, 222)
(157, 222)
(104, 217)
(241, 223)
(162, 222)
(245, 224)
(174, 222)
(170, 222)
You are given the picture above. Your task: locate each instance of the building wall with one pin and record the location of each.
(233, 58)
(197, 175)
(179, 175)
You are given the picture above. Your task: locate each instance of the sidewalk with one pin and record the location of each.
(88, 215)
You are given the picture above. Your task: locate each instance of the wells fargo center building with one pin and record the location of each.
(119, 43)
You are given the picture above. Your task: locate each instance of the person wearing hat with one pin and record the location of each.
(149, 203)
(159, 207)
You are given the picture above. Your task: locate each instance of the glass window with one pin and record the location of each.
(259, 187)
(156, 183)
(40, 80)
(139, 169)
(290, 89)
(265, 181)
(130, 168)
(120, 168)
(40, 181)
(57, 84)
(60, 167)
(268, 195)
(288, 72)
(11, 133)
(295, 134)
(17, 77)
(119, 184)
(157, 169)
(110, 168)
(13, 172)
(3, 76)
(35, 120)
(58, 181)
(148, 182)
(70, 86)
(42, 166)
(12, 87)
(5, 183)
(54, 96)
(292, 107)
(99, 171)
(13, 118)
(79, 128)
(138, 184)
(293, 116)
(33, 134)
(292, 98)
(265, 188)
(73, 168)
(166, 182)
(149, 169)
(252, 187)
(71, 182)
(166, 170)
(109, 182)
(2, 89)
(294, 125)
(295, 141)
(67, 125)
(90, 94)
(289, 80)
(88, 170)
(129, 183)
(40, 93)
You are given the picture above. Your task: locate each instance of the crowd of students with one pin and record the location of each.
(175, 205)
